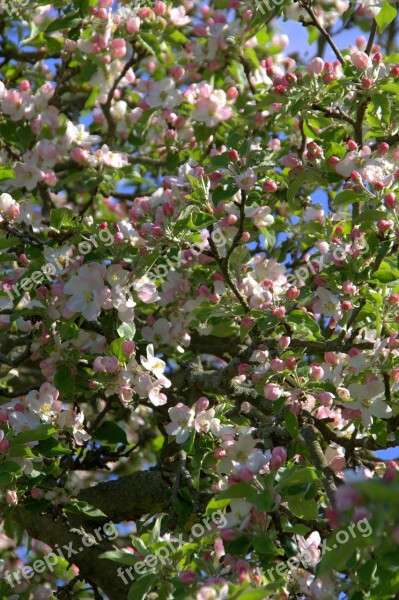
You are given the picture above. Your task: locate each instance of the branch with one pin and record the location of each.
(336, 113)
(146, 160)
(307, 6)
(317, 457)
(107, 104)
(225, 272)
(91, 567)
(219, 382)
(373, 33)
(128, 498)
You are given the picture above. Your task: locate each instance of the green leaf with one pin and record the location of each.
(239, 490)
(156, 532)
(347, 197)
(110, 433)
(304, 323)
(291, 421)
(127, 330)
(223, 192)
(7, 242)
(142, 586)
(391, 87)
(254, 594)
(40, 433)
(119, 556)
(67, 22)
(214, 504)
(20, 450)
(82, 508)
(61, 218)
(64, 380)
(304, 509)
(385, 16)
(298, 476)
(6, 174)
(295, 185)
(370, 216)
(264, 545)
(5, 479)
(115, 349)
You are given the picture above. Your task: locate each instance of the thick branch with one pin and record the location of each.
(91, 567)
(127, 498)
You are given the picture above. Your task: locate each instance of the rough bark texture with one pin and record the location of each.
(129, 497)
(53, 531)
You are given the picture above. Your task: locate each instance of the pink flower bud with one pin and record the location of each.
(133, 24)
(278, 458)
(270, 186)
(384, 225)
(343, 393)
(333, 161)
(79, 155)
(278, 311)
(145, 12)
(232, 93)
(128, 347)
(351, 145)
(37, 493)
(390, 200)
(4, 445)
(159, 8)
(118, 46)
(24, 85)
(292, 293)
(337, 463)
(284, 342)
(316, 66)
(316, 372)
(243, 369)
(228, 534)
(346, 305)
(187, 577)
(325, 398)
(247, 322)
(360, 60)
(245, 474)
(202, 403)
(177, 72)
(290, 363)
(11, 498)
(277, 365)
(272, 391)
(383, 148)
(348, 287)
